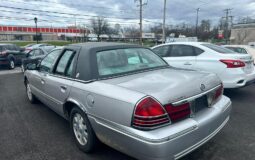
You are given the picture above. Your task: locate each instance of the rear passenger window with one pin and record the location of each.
(198, 51)
(162, 51)
(182, 51)
(64, 63)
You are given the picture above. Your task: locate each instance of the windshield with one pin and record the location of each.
(121, 61)
(218, 49)
(238, 50)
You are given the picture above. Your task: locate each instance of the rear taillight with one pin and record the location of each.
(218, 92)
(149, 114)
(215, 95)
(233, 63)
(179, 112)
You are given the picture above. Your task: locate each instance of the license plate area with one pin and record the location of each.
(249, 67)
(199, 104)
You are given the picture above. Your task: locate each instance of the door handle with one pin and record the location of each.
(42, 81)
(187, 63)
(63, 89)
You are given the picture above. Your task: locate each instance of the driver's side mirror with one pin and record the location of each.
(32, 66)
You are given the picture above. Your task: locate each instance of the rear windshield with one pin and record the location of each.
(123, 61)
(238, 50)
(219, 49)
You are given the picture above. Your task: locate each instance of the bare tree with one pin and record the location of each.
(241, 36)
(131, 32)
(100, 26)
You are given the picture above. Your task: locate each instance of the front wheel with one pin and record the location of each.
(82, 131)
(11, 64)
(30, 95)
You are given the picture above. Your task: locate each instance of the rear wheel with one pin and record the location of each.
(82, 131)
(11, 64)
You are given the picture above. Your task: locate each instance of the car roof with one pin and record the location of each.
(236, 45)
(183, 43)
(92, 45)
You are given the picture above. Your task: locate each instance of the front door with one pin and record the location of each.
(58, 84)
(43, 72)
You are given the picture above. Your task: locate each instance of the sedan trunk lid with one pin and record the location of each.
(168, 85)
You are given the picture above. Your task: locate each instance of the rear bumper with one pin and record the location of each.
(170, 142)
(4, 61)
(238, 79)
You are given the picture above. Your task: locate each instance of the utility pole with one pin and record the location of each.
(198, 9)
(36, 20)
(75, 29)
(164, 24)
(226, 24)
(141, 4)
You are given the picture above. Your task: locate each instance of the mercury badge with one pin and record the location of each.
(202, 87)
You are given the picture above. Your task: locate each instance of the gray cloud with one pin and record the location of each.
(124, 12)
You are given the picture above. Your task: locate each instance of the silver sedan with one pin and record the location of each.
(130, 99)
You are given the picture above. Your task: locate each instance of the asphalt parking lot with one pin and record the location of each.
(29, 132)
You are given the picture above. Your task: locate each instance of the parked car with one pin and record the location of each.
(130, 99)
(234, 69)
(35, 55)
(243, 49)
(46, 47)
(11, 55)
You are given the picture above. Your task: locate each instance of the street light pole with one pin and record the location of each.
(164, 24)
(198, 9)
(35, 19)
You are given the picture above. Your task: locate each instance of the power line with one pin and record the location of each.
(63, 13)
(81, 5)
(47, 15)
(85, 6)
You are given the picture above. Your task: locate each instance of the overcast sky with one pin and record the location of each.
(124, 12)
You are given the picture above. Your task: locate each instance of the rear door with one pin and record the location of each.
(181, 56)
(58, 84)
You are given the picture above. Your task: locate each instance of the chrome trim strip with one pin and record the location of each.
(200, 143)
(49, 97)
(72, 79)
(187, 100)
(117, 128)
(151, 117)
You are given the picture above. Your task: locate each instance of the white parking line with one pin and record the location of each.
(7, 71)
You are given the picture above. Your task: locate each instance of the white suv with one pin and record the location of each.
(235, 70)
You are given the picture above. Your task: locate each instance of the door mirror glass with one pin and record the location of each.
(31, 66)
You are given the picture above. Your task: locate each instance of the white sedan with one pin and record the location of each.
(235, 70)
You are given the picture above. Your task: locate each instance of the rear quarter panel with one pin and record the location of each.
(105, 101)
(209, 62)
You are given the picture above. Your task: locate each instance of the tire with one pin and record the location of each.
(22, 68)
(11, 64)
(32, 99)
(82, 131)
